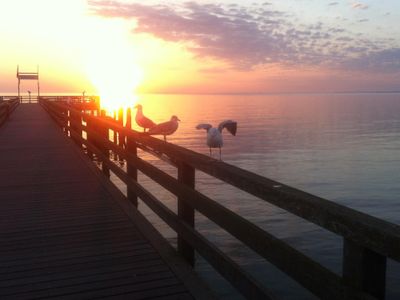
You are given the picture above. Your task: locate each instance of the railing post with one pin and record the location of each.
(89, 130)
(121, 138)
(103, 131)
(186, 175)
(131, 169)
(64, 111)
(364, 269)
(74, 119)
(79, 126)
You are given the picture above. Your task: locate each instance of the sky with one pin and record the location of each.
(125, 47)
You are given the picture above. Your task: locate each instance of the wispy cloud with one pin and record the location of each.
(359, 5)
(249, 36)
(333, 3)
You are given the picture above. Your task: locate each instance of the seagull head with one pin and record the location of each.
(175, 118)
(138, 106)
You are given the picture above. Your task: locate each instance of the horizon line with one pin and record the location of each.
(218, 93)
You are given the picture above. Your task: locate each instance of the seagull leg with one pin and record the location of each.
(220, 153)
(144, 129)
(165, 138)
(210, 152)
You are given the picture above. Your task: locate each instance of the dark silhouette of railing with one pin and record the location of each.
(367, 241)
(7, 106)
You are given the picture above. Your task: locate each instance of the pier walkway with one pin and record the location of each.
(64, 232)
(67, 232)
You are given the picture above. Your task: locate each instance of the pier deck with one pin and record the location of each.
(66, 231)
(63, 233)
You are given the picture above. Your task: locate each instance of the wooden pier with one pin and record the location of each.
(63, 232)
(66, 229)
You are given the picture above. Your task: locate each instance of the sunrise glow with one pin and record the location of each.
(110, 65)
(118, 49)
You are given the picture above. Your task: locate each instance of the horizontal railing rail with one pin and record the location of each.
(80, 102)
(368, 241)
(7, 106)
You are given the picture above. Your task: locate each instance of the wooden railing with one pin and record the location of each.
(6, 108)
(80, 102)
(83, 100)
(368, 241)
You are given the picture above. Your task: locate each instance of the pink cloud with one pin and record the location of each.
(246, 37)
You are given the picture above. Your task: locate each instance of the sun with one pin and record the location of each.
(111, 66)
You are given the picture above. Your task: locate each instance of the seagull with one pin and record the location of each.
(142, 120)
(166, 128)
(214, 135)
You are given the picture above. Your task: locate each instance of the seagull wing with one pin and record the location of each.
(204, 126)
(165, 128)
(230, 125)
(159, 128)
(142, 120)
(146, 122)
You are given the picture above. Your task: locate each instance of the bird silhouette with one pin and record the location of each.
(214, 135)
(142, 120)
(165, 128)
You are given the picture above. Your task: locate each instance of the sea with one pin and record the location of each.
(344, 147)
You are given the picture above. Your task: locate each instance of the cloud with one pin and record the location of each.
(358, 5)
(246, 36)
(387, 60)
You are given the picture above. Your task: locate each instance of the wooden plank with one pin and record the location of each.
(144, 253)
(62, 234)
(186, 176)
(364, 269)
(132, 170)
(87, 281)
(140, 291)
(139, 270)
(38, 257)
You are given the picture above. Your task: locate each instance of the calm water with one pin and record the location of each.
(343, 147)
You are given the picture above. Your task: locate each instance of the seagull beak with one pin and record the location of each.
(178, 119)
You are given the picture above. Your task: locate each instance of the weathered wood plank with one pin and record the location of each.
(138, 270)
(83, 281)
(61, 233)
(186, 176)
(364, 269)
(37, 257)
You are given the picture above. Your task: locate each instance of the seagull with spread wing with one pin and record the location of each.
(142, 120)
(165, 128)
(214, 135)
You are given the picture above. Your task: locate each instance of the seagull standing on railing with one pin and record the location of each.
(166, 128)
(142, 120)
(214, 135)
